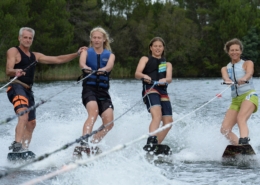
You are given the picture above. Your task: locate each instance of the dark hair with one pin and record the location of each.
(232, 42)
(157, 39)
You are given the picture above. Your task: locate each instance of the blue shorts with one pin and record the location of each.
(21, 97)
(157, 96)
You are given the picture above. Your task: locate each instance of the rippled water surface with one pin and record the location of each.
(195, 138)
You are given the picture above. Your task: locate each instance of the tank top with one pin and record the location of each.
(155, 68)
(235, 72)
(25, 62)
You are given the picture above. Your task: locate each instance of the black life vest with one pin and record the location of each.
(25, 62)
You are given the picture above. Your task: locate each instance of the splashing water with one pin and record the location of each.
(196, 140)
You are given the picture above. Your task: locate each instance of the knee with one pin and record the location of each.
(157, 118)
(168, 124)
(224, 131)
(156, 115)
(23, 117)
(31, 125)
(241, 119)
(167, 120)
(109, 127)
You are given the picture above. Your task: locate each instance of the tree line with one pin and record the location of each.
(195, 31)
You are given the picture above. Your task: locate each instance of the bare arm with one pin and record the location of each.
(110, 64)
(249, 68)
(168, 78)
(140, 67)
(11, 55)
(83, 59)
(41, 58)
(225, 76)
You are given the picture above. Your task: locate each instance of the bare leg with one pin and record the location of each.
(227, 125)
(20, 127)
(92, 109)
(107, 118)
(28, 130)
(247, 108)
(156, 114)
(161, 135)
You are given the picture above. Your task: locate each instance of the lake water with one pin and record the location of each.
(195, 137)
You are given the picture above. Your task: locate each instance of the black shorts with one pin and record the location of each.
(21, 97)
(101, 96)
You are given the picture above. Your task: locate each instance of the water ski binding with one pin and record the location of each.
(21, 156)
(157, 149)
(79, 151)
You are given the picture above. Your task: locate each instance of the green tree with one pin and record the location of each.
(53, 31)
(84, 16)
(251, 43)
(182, 39)
(13, 15)
(231, 19)
(195, 31)
(121, 19)
(168, 21)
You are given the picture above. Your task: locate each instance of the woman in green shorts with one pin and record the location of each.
(244, 97)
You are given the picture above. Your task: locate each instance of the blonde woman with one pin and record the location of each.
(95, 95)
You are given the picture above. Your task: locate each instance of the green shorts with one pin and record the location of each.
(237, 101)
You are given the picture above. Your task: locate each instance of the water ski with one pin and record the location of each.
(79, 151)
(158, 153)
(232, 151)
(157, 149)
(20, 156)
(242, 155)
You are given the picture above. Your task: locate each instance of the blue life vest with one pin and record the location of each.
(96, 61)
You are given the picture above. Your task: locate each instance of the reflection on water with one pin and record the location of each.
(195, 137)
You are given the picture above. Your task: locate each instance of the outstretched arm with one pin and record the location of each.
(41, 58)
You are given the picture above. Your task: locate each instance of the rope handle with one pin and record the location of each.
(154, 82)
(227, 83)
(88, 71)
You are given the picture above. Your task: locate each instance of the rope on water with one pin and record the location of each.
(40, 158)
(25, 69)
(38, 104)
(76, 164)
